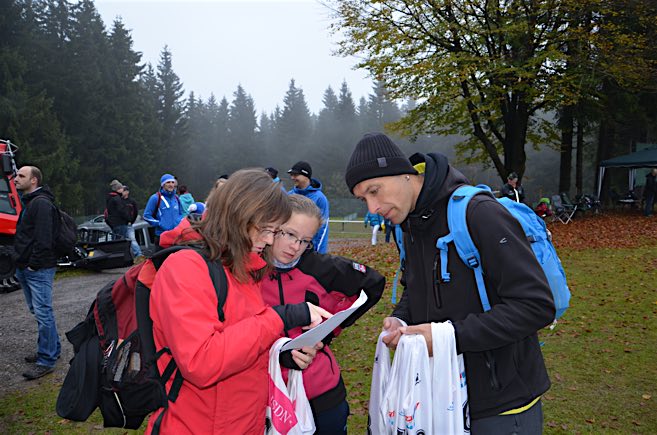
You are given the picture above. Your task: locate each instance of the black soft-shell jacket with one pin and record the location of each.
(503, 360)
(117, 210)
(33, 244)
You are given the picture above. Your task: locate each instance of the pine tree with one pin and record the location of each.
(170, 111)
(242, 150)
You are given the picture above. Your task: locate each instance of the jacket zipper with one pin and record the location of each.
(280, 293)
(492, 370)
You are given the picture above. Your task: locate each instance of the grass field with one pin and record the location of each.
(601, 357)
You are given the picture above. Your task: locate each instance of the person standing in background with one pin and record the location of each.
(116, 213)
(36, 264)
(163, 210)
(186, 199)
(133, 213)
(390, 228)
(301, 175)
(375, 221)
(512, 189)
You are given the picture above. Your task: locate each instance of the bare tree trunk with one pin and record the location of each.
(566, 161)
(579, 163)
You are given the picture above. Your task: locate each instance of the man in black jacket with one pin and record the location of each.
(118, 214)
(505, 372)
(36, 263)
(512, 189)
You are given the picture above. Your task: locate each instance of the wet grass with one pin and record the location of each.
(601, 356)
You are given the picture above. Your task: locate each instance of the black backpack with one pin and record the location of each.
(66, 235)
(66, 231)
(114, 366)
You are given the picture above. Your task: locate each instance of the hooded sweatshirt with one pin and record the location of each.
(332, 283)
(503, 360)
(167, 215)
(33, 244)
(314, 192)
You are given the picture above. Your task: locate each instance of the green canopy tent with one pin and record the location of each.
(640, 159)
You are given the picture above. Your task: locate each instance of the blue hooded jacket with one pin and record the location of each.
(167, 216)
(314, 192)
(373, 219)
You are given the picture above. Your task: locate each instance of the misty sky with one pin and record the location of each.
(218, 44)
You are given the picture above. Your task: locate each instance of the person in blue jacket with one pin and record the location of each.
(375, 221)
(163, 210)
(301, 175)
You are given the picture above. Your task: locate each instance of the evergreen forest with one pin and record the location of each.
(79, 101)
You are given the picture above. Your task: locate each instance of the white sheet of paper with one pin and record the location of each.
(317, 334)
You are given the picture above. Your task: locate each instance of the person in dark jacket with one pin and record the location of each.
(117, 215)
(331, 282)
(650, 190)
(505, 371)
(36, 263)
(512, 189)
(133, 213)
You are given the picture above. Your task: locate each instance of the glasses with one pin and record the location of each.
(266, 232)
(291, 238)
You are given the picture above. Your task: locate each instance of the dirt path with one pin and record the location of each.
(71, 299)
(18, 330)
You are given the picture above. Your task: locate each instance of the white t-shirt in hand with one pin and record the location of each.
(449, 388)
(406, 404)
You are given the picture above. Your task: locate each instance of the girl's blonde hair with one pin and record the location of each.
(248, 200)
(304, 205)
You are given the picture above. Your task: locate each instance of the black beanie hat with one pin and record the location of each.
(376, 156)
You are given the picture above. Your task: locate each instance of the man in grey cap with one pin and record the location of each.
(505, 371)
(116, 213)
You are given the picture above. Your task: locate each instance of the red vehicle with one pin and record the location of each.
(10, 209)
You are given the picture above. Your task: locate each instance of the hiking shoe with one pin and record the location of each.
(139, 259)
(37, 372)
(31, 359)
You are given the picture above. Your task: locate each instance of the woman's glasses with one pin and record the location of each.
(291, 238)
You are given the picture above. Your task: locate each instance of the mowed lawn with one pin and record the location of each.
(601, 356)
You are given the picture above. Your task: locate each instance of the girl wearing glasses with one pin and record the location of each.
(223, 363)
(333, 283)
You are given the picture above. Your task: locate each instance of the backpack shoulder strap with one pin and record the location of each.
(217, 273)
(159, 200)
(459, 234)
(220, 281)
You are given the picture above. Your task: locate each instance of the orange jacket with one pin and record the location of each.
(224, 364)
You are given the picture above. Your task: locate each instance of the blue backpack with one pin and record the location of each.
(536, 233)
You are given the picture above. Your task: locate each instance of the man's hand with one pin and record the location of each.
(304, 356)
(424, 330)
(392, 325)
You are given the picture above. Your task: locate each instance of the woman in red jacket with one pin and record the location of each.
(223, 364)
(333, 283)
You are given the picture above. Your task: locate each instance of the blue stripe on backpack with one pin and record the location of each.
(534, 229)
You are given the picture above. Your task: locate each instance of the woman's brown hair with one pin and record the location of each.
(249, 199)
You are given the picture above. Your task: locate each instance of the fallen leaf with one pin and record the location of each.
(646, 396)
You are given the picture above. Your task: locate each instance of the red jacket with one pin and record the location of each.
(224, 365)
(333, 283)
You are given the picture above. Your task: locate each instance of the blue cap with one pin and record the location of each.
(166, 178)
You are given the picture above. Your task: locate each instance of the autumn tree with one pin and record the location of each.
(484, 70)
